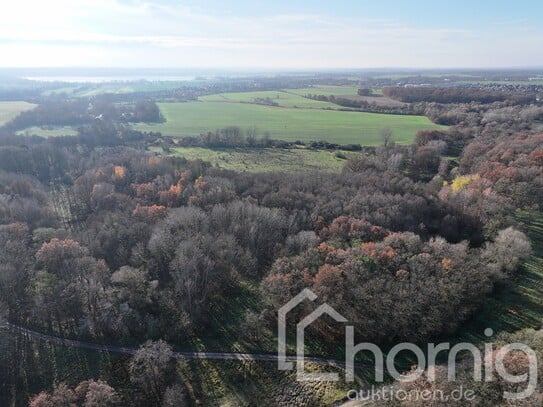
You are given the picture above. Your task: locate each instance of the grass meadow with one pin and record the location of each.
(49, 131)
(290, 124)
(267, 159)
(282, 98)
(9, 110)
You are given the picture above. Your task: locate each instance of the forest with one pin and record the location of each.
(106, 241)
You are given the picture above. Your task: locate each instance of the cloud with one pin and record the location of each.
(98, 32)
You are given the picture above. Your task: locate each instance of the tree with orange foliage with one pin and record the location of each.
(151, 213)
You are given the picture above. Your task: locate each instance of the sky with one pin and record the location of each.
(271, 34)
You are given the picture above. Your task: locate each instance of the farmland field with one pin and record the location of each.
(9, 110)
(326, 90)
(49, 131)
(282, 98)
(343, 127)
(266, 159)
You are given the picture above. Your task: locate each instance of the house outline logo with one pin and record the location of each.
(425, 360)
(282, 362)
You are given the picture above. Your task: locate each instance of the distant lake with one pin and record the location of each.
(101, 79)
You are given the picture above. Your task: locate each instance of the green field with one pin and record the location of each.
(326, 90)
(194, 118)
(282, 98)
(50, 131)
(266, 159)
(68, 90)
(9, 110)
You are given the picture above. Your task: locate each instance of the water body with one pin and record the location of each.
(109, 79)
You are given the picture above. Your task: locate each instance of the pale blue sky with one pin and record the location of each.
(271, 34)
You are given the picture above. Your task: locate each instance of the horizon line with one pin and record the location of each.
(264, 69)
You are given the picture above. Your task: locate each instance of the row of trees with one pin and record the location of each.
(411, 94)
(82, 111)
(388, 107)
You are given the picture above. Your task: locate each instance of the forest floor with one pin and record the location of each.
(519, 303)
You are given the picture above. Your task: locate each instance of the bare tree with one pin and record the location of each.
(175, 396)
(100, 394)
(151, 367)
(509, 248)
